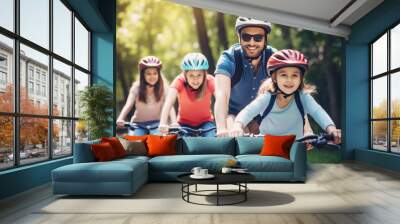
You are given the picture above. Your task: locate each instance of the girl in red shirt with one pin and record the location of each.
(194, 89)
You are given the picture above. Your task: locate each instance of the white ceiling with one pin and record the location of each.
(323, 16)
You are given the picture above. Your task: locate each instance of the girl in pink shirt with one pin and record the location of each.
(147, 95)
(194, 89)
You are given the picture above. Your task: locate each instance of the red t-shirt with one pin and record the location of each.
(193, 111)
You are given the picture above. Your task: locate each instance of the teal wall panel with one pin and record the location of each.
(24, 178)
(366, 30)
(376, 158)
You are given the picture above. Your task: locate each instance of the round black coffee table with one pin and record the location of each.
(238, 179)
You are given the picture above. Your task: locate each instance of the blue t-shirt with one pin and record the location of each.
(246, 89)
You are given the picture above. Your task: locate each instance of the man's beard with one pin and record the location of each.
(254, 55)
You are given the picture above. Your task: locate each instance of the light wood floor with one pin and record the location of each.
(377, 188)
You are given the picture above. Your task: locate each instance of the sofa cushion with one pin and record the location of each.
(206, 145)
(185, 163)
(112, 171)
(257, 163)
(249, 145)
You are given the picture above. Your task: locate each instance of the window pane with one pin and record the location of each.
(62, 141)
(35, 21)
(395, 136)
(33, 139)
(34, 72)
(6, 142)
(379, 97)
(81, 131)
(7, 14)
(62, 89)
(395, 95)
(81, 45)
(395, 47)
(81, 81)
(379, 55)
(379, 135)
(6, 74)
(62, 29)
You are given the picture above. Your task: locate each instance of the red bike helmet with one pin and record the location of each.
(287, 58)
(150, 62)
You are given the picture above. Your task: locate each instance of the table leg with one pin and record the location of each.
(217, 194)
(245, 191)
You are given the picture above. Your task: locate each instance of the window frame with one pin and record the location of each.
(388, 74)
(16, 114)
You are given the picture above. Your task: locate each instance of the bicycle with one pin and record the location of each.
(131, 126)
(319, 141)
(189, 132)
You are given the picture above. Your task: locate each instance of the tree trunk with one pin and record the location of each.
(203, 38)
(286, 36)
(125, 84)
(222, 38)
(332, 81)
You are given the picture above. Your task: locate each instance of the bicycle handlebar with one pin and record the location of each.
(186, 131)
(318, 140)
(133, 126)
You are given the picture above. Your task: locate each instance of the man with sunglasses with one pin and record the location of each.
(239, 73)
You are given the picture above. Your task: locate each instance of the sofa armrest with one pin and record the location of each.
(298, 155)
(83, 152)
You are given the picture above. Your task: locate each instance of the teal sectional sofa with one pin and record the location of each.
(125, 176)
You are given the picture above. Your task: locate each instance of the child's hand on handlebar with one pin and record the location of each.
(163, 128)
(175, 125)
(120, 123)
(308, 145)
(237, 130)
(222, 133)
(337, 134)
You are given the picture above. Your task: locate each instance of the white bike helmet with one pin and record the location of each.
(194, 61)
(242, 22)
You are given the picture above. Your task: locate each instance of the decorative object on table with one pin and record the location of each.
(236, 170)
(232, 163)
(97, 105)
(200, 173)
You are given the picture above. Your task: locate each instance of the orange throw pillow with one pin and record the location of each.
(116, 145)
(103, 152)
(161, 145)
(277, 145)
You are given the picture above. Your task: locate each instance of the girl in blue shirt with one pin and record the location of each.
(284, 116)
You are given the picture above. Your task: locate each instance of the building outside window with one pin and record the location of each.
(30, 87)
(385, 94)
(34, 75)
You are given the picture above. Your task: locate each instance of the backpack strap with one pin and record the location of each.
(269, 107)
(297, 99)
(299, 105)
(238, 67)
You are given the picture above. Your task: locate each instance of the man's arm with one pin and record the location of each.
(222, 95)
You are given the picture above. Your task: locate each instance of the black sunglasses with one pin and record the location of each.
(247, 37)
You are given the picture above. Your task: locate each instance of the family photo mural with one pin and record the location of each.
(198, 72)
